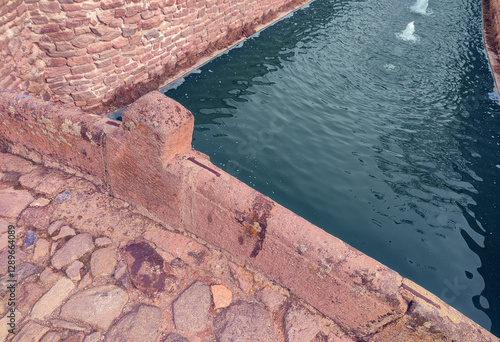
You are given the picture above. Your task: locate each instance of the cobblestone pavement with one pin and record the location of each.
(90, 267)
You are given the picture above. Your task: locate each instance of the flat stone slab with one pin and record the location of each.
(52, 299)
(300, 325)
(97, 307)
(31, 332)
(245, 322)
(75, 248)
(103, 261)
(137, 326)
(13, 202)
(38, 217)
(191, 308)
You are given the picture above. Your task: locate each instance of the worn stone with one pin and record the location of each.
(51, 336)
(13, 202)
(140, 325)
(221, 295)
(300, 325)
(22, 272)
(243, 278)
(103, 262)
(98, 306)
(121, 269)
(191, 308)
(75, 248)
(48, 277)
(78, 337)
(27, 294)
(38, 217)
(64, 232)
(94, 337)
(242, 321)
(40, 202)
(174, 337)
(5, 320)
(42, 247)
(4, 226)
(103, 241)
(147, 269)
(73, 270)
(54, 227)
(32, 179)
(52, 299)
(272, 299)
(9, 162)
(30, 332)
(51, 184)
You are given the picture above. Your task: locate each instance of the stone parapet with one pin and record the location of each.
(147, 161)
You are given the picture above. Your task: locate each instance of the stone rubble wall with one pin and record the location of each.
(82, 52)
(491, 29)
(147, 161)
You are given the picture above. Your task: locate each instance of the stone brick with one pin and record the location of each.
(82, 69)
(56, 62)
(76, 22)
(65, 35)
(79, 60)
(108, 4)
(105, 17)
(99, 47)
(132, 20)
(39, 20)
(102, 63)
(116, 23)
(71, 7)
(83, 96)
(106, 33)
(52, 27)
(133, 10)
(120, 12)
(49, 7)
(83, 41)
(61, 54)
(120, 42)
(57, 71)
(122, 62)
(128, 31)
(88, 6)
(64, 46)
(152, 23)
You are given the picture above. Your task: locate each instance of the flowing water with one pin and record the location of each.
(388, 143)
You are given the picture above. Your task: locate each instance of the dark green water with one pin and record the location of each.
(391, 145)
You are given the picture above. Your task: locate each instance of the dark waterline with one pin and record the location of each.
(391, 145)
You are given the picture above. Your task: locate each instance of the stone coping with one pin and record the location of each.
(147, 161)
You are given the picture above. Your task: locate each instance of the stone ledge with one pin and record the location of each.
(147, 161)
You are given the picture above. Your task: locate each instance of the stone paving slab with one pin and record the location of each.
(93, 268)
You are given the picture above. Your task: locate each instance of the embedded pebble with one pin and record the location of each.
(191, 308)
(72, 250)
(64, 232)
(73, 270)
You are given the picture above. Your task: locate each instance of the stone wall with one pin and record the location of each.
(147, 161)
(84, 51)
(491, 26)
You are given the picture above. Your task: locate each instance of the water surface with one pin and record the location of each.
(390, 144)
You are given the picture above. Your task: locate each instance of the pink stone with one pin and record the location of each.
(221, 295)
(13, 202)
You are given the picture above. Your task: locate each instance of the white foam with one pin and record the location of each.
(408, 33)
(421, 7)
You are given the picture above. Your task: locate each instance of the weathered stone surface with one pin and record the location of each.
(48, 277)
(73, 270)
(103, 241)
(191, 308)
(62, 324)
(51, 184)
(140, 325)
(27, 294)
(23, 271)
(32, 179)
(64, 232)
(272, 299)
(300, 325)
(51, 336)
(72, 250)
(55, 226)
(52, 299)
(9, 162)
(244, 322)
(94, 337)
(222, 296)
(42, 247)
(103, 262)
(5, 321)
(40, 202)
(147, 269)
(174, 337)
(243, 278)
(78, 337)
(38, 217)
(31, 332)
(98, 306)
(13, 202)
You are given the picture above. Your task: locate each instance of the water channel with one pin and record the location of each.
(377, 121)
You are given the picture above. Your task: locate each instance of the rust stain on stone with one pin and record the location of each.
(255, 222)
(147, 269)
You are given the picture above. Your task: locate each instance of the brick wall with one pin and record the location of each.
(82, 51)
